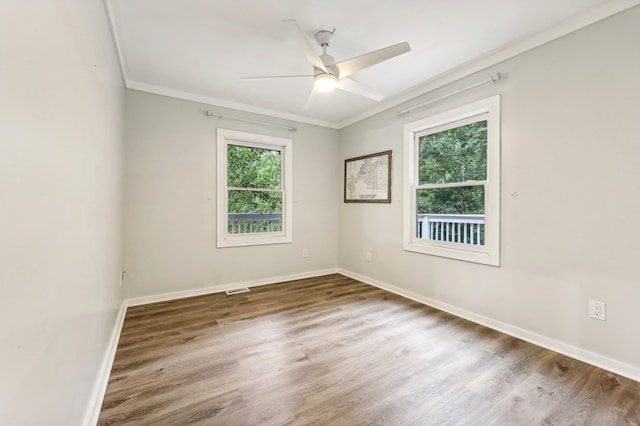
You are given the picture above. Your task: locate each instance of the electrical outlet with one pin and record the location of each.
(305, 252)
(597, 310)
(368, 256)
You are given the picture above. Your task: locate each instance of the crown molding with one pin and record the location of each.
(208, 100)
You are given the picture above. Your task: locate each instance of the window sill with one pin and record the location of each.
(454, 251)
(252, 240)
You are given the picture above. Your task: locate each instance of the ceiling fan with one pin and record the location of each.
(327, 74)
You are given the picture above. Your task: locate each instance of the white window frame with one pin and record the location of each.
(489, 253)
(227, 137)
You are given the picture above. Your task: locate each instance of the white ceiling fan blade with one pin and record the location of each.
(273, 77)
(352, 86)
(310, 100)
(353, 65)
(303, 41)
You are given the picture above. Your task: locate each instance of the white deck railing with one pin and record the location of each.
(453, 228)
(247, 223)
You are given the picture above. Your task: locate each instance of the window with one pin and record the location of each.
(452, 184)
(254, 189)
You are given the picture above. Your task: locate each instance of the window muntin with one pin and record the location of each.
(452, 183)
(254, 189)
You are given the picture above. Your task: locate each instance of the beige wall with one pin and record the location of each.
(170, 200)
(570, 185)
(61, 119)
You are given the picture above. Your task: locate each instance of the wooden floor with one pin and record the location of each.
(334, 351)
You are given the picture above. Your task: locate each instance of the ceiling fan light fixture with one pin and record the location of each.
(325, 82)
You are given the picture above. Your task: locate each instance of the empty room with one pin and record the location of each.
(287, 212)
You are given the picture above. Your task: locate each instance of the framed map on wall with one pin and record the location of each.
(367, 179)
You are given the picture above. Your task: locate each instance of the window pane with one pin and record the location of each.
(458, 200)
(254, 211)
(455, 155)
(255, 202)
(451, 214)
(253, 167)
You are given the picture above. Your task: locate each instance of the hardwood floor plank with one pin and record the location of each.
(334, 351)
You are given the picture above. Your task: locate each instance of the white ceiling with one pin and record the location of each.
(199, 49)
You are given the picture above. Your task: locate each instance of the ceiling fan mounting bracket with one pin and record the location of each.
(324, 37)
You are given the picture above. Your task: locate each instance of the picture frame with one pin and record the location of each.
(367, 179)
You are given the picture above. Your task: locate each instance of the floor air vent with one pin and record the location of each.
(237, 291)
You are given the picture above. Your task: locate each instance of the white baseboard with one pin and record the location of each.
(224, 287)
(100, 385)
(606, 363)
